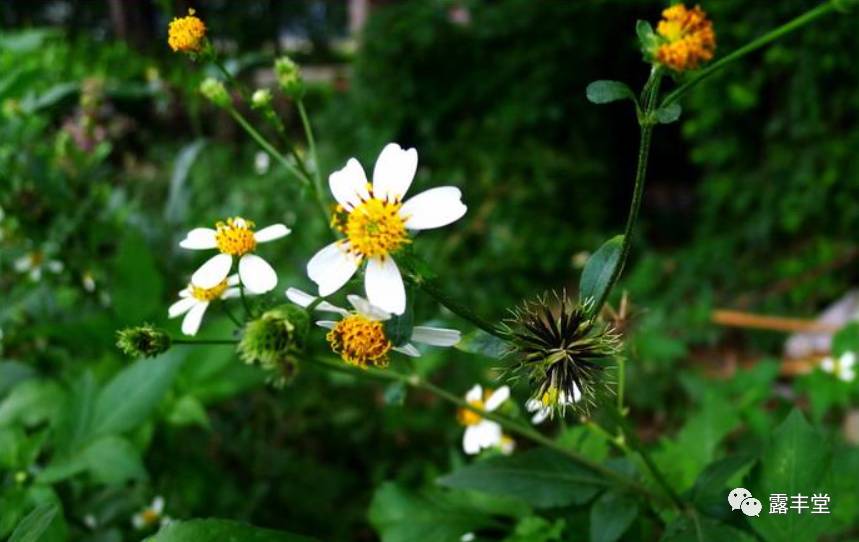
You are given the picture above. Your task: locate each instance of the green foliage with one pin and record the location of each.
(611, 515)
(600, 267)
(602, 92)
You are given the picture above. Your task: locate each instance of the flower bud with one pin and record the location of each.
(215, 92)
(143, 341)
(261, 98)
(274, 339)
(289, 77)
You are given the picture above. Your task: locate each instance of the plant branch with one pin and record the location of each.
(311, 143)
(204, 341)
(432, 288)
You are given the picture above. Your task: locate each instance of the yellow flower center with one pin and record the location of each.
(689, 38)
(236, 236)
(360, 341)
(186, 34)
(469, 417)
(373, 228)
(149, 516)
(208, 294)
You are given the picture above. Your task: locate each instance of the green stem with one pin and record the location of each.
(266, 146)
(752, 46)
(621, 383)
(248, 313)
(646, 122)
(511, 425)
(204, 341)
(432, 288)
(230, 314)
(311, 143)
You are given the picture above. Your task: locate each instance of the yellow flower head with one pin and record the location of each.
(360, 341)
(186, 34)
(687, 36)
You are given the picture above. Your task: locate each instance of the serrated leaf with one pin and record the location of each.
(221, 530)
(603, 92)
(711, 485)
(599, 268)
(668, 114)
(540, 477)
(611, 516)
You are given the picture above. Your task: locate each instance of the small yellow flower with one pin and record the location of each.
(687, 36)
(186, 34)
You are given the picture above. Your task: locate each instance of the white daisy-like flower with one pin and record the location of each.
(194, 301)
(843, 368)
(359, 336)
(376, 224)
(234, 238)
(35, 263)
(151, 516)
(479, 432)
(541, 411)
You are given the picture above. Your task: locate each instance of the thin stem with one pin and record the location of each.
(511, 425)
(266, 146)
(233, 81)
(621, 383)
(750, 47)
(248, 313)
(651, 91)
(433, 289)
(230, 314)
(311, 143)
(204, 341)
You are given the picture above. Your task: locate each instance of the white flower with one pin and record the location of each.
(480, 433)
(262, 161)
(236, 238)
(541, 411)
(844, 367)
(194, 301)
(88, 281)
(34, 263)
(151, 515)
(359, 336)
(376, 223)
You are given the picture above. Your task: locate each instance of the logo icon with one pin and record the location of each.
(741, 499)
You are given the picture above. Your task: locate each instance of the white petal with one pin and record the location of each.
(498, 396)
(384, 285)
(434, 208)
(157, 504)
(24, 263)
(55, 266)
(192, 320)
(233, 280)
(137, 521)
(533, 405)
(327, 324)
(332, 267)
(270, 233)
(181, 307)
(256, 274)
(435, 336)
(199, 239)
(394, 171)
(231, 293)
(213, 271)
(303, 299)
(367, 309)
(847, 360)
(489, 433)
(184, 293)
(540, 416)
(828, 364)
(409, 350)
(474, 394)
(349, 185)
(471, 440)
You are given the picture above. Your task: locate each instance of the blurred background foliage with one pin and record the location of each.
(108, 155)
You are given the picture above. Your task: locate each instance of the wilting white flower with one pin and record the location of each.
(234, 238)
(541, 411)
(359, 336)
(195, 300)
(479, 432)
(376, 224)
(262, 161)
(151, 516)
(843, 368)
(34, 263)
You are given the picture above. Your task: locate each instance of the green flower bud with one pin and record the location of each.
(143, 341)
(215, 92)
(274, 339)
(289, 77)
(261, 98)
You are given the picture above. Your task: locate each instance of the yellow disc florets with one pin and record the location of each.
(186, 34)
(360, 341)
(469, 417)
(374, 228)
(208, 294)
(688, 37)
(235, 236)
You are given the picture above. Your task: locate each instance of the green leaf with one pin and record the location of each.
(176, 207)
(403, 516)
(76, 423)
(398, 328)
(32, 402)
(668, 114)
(611, 516)
(221, 530)
(846, 339)
(647, 38)
(483, 344)
(599, 268)
(395, 394)
(712, 484)
(128, 399)
(537, 529)
(541, 478)
(137, 284)
(12, 372)
(603, 92)
(703, 529)
(795, 462)
(188, 410)
(110, 460)
(35, 524)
